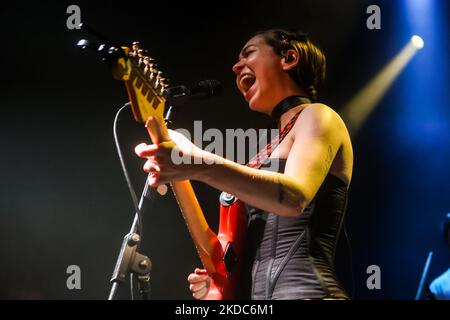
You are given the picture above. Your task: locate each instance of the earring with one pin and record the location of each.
(289, 58)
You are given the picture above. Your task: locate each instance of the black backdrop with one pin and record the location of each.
(63, 199)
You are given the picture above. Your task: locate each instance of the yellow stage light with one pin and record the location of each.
(417, 41)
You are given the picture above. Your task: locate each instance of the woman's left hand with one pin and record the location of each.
(172, 160)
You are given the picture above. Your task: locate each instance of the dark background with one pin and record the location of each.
(63, 199)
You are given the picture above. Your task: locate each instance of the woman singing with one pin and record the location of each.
(296, 213)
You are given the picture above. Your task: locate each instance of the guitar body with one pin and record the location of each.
(228, 261)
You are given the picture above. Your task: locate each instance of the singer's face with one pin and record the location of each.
(258, 72)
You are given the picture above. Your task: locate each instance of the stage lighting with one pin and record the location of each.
(356, 111)
(417, 41)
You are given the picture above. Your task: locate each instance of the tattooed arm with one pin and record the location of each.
(316, 142)
(317, 137)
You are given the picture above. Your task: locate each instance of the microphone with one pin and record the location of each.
(179, 95)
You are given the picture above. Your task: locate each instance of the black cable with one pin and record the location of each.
(125, 171)
(130, 186)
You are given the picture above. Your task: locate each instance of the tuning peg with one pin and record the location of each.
(144, 61)
(160, 75)
(134, 49)
(147, 62)
(159, 78)
(152, 69)
(140, 53)
(148, 68)
(164, 83)
(158, 83)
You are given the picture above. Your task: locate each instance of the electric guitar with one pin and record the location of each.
(219, 253)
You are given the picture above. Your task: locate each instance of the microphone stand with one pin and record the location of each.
(129, 259)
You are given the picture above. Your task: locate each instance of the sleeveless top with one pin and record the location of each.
(293, 257)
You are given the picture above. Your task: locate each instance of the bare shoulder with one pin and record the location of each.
(320, 117)
(320, 121)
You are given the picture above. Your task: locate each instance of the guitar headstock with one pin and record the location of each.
(144, 82)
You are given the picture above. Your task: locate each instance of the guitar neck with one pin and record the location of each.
(204, 238)
(145, 86)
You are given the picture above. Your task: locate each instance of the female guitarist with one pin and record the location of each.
(294, 214)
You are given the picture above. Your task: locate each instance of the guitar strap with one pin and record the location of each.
(284, 106)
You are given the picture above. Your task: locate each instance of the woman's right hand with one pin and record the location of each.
(199, 283)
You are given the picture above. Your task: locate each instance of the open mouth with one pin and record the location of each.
(247, 81)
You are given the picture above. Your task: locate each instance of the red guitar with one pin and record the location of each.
(220, 253)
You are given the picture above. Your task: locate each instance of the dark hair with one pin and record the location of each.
(310, 71)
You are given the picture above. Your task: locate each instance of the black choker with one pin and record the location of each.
(288, 104)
